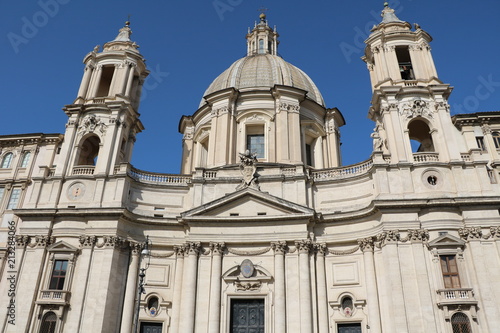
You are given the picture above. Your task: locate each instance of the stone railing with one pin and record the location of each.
(83, 170)
(456, 296)
(425, 157)
(342, 172)
(158, 178)
(465, 157)
(209, 174)
(54, 297)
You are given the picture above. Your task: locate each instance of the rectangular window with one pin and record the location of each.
(58, 275)
(309, 158)
(151, 327)
(2, 190)
(14, 198)
(496, 139)
(256, 144)
(349, 328)
(450, 271)
(480, 143)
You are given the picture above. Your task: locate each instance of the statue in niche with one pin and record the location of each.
(248, 170)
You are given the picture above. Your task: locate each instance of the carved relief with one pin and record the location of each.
(248, 170)
(416, 108)
(91, 123)
(247, 286)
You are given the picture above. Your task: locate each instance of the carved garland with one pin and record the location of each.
(472, 233)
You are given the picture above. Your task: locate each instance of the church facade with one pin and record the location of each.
(264, 230)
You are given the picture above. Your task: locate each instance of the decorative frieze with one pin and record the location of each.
(476, 233)
(248, 253)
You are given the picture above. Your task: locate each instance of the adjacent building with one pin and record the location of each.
(264, 230)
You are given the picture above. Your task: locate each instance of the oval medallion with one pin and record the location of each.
(247, 268)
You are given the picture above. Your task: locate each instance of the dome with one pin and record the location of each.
(264, 71)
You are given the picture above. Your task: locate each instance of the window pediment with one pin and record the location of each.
(446, 242)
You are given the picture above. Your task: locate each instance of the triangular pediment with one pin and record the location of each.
(446, 241)
(248, 203)
(62, 246)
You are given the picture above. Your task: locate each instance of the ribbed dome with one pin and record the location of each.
(264, 71)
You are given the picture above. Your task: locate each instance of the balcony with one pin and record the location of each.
(456, 296)
(425, 157)
(57, 297)
(86, 170)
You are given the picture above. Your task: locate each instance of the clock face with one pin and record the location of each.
(76, 191)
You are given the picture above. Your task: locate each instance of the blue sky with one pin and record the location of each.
(189, 43)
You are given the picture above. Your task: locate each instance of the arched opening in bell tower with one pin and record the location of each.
(88, 151)
(404, 62)
(105, 82)
(420, 136)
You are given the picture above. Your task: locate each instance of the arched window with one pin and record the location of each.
(496, 139)
(460, 323)
(6, 161)
(420, 136)
(89, 151)
(49, 322)
(26, 159)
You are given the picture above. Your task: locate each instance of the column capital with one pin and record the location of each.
(88, 241)
(217, 248)
(321, 249)
(366, 244)
(469, 233)
(279, 247)
(192, 248)
(304, 246)
(180, 250)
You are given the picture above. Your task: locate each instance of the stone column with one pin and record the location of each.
(176, 298)
(322, 292)
(188, 295)
(215, 287)
(130, 289)
(366, 245)
(279, 286)
(306, 316)
(130, 80)
(85, 82)
(95, 82)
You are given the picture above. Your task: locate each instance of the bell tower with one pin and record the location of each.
(104, 118)
(410, 103)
